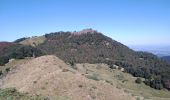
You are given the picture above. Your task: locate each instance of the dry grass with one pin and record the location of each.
(51, 77)
(33, 41)
(126, 82)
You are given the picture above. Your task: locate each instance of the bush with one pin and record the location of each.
(3, 60)
(93, 77)
(72, 63)
(1, 73)
(138, 80)
(157, 84)
(7, 70)
(147, 82)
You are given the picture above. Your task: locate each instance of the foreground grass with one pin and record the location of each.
(13, 94)
(95, 72)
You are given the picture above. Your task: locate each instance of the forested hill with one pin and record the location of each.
(90, 46)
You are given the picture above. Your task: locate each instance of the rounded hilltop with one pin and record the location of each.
(85, 31)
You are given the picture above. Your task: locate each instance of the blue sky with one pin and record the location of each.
(132, 22)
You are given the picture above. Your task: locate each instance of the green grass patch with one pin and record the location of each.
(93, 77)
(13, 94)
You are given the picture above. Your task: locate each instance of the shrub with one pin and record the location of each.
(147, 82)
(7, 70)
(157, 84)
(93, 77)
(65, 70)
(80, 86)
(138, 80)
(3, 60)
(72, 63)
(1, 73)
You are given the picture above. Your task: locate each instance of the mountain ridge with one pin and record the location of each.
(97, 48)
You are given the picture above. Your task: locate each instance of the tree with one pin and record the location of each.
(156, 83)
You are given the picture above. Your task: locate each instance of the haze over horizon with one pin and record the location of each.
(131, 22)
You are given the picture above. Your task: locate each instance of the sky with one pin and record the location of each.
(131, 22)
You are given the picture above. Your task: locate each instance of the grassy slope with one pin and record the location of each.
(12, 64)
(13, 94)
(115, 77)
(33, 41)
(123, 81)
(51, 77)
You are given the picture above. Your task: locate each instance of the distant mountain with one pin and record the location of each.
(5, 44)
(91, 46)
(166, 58)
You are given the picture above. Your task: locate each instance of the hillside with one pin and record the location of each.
(51, 77)
(4, 45)
(34, 41)
(94, 47)
(91, 46)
